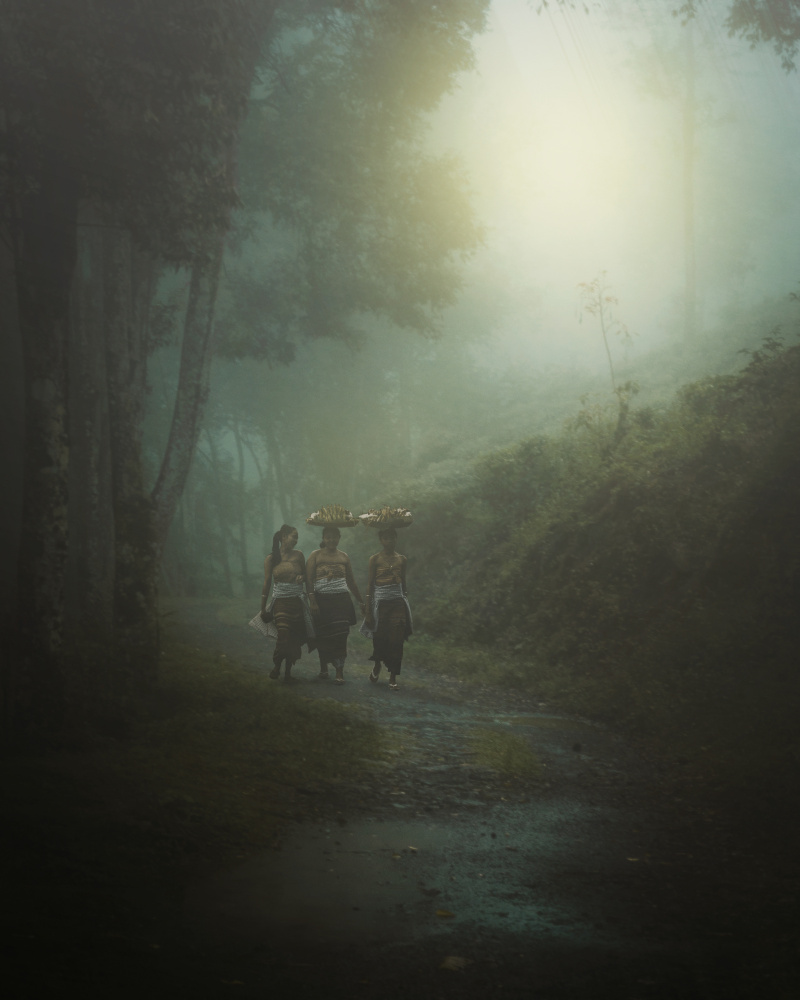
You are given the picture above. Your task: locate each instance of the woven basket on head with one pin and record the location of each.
(387, 517)
(333, 516)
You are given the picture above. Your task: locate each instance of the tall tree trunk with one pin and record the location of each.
(47, 228)
(174, 557)
(241, 505)
(222, 524)
(12, 403)
(265, 493)
(142, 520)
(192, 392)
(128, 288)
(277, 473)
(690, 262)
(90, 570)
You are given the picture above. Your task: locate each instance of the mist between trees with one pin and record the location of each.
(244, 275)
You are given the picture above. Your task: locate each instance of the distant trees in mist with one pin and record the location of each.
(121, 157)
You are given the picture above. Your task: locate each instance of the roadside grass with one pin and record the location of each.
(504, 752)
(731, 732)
(472, 664)
(236, 610)
(208, 771)
(231, 750)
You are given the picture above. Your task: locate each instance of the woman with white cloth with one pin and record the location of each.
(287, 614)
(388, 618)
(330, 581)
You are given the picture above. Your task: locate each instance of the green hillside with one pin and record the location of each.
(650, 578)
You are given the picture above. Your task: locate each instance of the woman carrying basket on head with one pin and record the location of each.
(388, 618)
(287, 615)
(330, 581)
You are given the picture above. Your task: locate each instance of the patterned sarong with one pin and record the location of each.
(336, 615)
(389, 592)
(281, 591)
(391, 616)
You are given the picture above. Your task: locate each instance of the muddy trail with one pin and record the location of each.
(599, 873)
(434, 876)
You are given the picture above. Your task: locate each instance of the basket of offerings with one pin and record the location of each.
(333, 516)
(387, 517)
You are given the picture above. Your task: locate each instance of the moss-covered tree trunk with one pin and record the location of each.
(241, 505)
(45, 260)
(90, 577)
(221, 491)
(193, 386)
(127, 294)
(142, 519)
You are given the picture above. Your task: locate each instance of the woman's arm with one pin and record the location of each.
(403, 562)
(372, 572)
(311, 578)
(265, 589)
(301, 571)
(351, 580)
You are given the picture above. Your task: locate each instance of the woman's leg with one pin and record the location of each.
(388, 640)
(287, 615)
(339, 665)
(333, 625)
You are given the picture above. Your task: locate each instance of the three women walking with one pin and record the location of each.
(310, 603)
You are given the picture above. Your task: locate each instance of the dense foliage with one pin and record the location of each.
(641, 582)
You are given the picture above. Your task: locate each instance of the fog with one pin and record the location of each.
(572, 133)
(588, 139)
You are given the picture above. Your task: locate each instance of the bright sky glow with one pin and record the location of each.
(578, 168)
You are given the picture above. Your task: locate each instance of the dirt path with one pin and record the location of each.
(434, 876)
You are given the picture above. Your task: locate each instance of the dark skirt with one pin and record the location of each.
(287, 615)
(332, 625)
(393, 630)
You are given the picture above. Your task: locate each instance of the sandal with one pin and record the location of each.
(393, 687)
(323, 675)
(373, 676)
